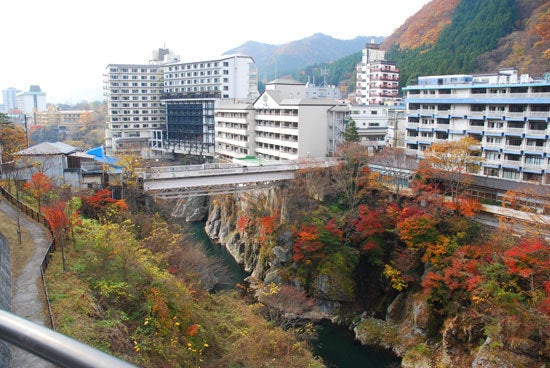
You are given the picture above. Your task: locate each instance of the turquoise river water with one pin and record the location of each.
(335, 345)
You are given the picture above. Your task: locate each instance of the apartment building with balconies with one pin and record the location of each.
(508, 114)
(290, 126)
(234, 130)
(377, 78)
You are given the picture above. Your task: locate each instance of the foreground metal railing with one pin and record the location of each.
(52, 346)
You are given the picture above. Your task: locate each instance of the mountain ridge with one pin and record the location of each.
(277, 60)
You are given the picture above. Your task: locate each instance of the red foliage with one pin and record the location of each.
(99, 202)
(529, 257)
(242, 223)
(56, 216)
(39, 185)
(432, 281)
(333, 229)
(100, 199)
(407, 212)
(371, 246)
(267, 226)
(368, 222)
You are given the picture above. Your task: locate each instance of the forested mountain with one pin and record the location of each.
(274, 61)
(444, 37)
(469, 36)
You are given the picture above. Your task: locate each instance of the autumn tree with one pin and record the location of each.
(12, 138)
(130, 164)
(284, 305)
(101, 204)
(39, 186)
(452, 163)
(58, 222)
(351, 174)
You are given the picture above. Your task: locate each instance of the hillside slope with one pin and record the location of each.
(469, 36)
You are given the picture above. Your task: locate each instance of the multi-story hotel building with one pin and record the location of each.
(377, 79)
(134, 110)
(191, 92)
(508, 114)
(282, 124)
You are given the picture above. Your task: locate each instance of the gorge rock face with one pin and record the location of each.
(333, 286)
(192, 209)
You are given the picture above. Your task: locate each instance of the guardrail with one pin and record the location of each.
(52, 346)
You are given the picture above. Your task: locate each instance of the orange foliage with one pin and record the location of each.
(424, 27)
(193, 330)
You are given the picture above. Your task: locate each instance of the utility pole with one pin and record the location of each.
(26, 130)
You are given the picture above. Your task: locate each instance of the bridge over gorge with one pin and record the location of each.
(219, 178)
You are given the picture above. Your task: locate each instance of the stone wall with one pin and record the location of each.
(5, 293)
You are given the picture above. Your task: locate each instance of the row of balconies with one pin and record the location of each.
(481, 113)
(466, 94)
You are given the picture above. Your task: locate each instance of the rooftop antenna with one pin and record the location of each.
(324, 73)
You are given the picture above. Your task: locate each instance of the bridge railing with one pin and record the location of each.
(52, 346)
(182, 171)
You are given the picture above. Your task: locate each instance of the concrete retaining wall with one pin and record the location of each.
(5, 293)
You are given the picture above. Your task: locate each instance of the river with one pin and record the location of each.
(335, 345)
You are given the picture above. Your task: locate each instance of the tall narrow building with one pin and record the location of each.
(377, 78)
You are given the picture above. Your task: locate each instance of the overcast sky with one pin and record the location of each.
(64, 45)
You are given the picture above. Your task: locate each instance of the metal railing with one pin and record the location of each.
(52, 346)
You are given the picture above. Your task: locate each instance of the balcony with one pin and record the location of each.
(492, 145)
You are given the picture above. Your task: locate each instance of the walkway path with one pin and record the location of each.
(26, 289)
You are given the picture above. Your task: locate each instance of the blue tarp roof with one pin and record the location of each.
(99, 155)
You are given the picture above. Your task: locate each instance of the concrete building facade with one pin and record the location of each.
(9, 98)
(282, 124)
(379, 125)
(508, 114)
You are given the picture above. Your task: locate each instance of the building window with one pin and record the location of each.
(510, 174)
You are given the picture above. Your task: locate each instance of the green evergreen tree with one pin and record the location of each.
(350, 133)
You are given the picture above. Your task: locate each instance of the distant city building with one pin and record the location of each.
(31, 101)
(379, 125)
(509, 115)
(9, 98)
(324, 90)
(377, 78)
(67, 121)
(282, 124)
